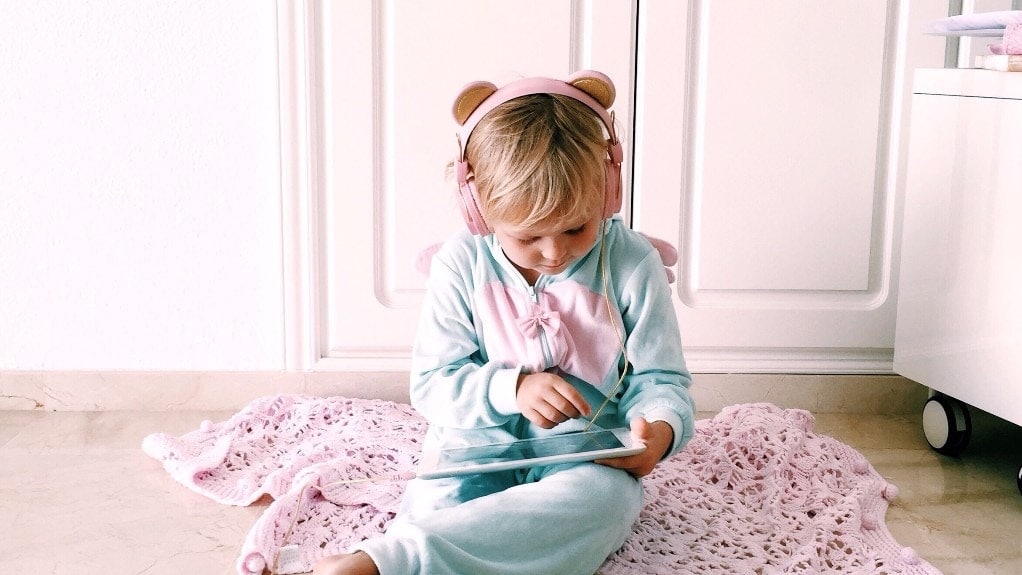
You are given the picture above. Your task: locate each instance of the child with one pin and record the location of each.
(550, 316)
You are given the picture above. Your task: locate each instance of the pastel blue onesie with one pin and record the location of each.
(481, 326)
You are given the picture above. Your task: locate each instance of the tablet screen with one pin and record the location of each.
(569, 443)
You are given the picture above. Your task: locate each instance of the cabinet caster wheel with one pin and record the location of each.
(947, 425)
(1020, 479)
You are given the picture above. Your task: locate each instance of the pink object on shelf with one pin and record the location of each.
(1011, 43)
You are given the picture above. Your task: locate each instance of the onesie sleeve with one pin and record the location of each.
(657, 384)
(452, 383)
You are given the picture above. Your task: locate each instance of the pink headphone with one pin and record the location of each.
(592, 88)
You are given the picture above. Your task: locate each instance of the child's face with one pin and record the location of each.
(548, 247)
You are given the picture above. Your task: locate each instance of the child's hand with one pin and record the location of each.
(658, 437)
(547, 399)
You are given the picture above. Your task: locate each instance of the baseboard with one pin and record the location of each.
(873, 394)
(161, 391)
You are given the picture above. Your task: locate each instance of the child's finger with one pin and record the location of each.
(565, 407)
(575, 402)
(536, 417)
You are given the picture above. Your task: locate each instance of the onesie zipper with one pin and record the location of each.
(534, 298)
(544, 343)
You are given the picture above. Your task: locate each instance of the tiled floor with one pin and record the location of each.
(78, 496)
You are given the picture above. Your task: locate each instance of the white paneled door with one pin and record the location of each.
(767, 140)
(390, 72)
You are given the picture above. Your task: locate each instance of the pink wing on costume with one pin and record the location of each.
(668, 254)
(424, 258)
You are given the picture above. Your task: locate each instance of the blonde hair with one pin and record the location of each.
(538, 157)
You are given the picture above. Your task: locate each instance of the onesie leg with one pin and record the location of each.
(563, 519)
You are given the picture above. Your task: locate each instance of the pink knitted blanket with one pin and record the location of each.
(756, 491)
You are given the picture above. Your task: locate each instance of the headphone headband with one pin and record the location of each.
(538, 85)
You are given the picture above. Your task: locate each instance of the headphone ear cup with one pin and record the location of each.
(468, 201)
(612, 200)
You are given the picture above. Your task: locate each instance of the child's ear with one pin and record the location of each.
(596, 84)
(469, 99)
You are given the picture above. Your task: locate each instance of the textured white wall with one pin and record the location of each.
(140, 218)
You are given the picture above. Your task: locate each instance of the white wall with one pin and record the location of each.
(140, 203)
(147, 222)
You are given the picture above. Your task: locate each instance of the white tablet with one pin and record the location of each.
(566, 448)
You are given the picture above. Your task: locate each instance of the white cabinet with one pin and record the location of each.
(959, 325)
(766, 143)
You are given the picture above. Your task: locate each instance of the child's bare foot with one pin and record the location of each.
(356, 563)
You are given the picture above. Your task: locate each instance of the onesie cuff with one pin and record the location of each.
(504, 391)
(671, 418)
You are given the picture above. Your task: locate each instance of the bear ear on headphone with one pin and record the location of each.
(596, 84)
(469, 99)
